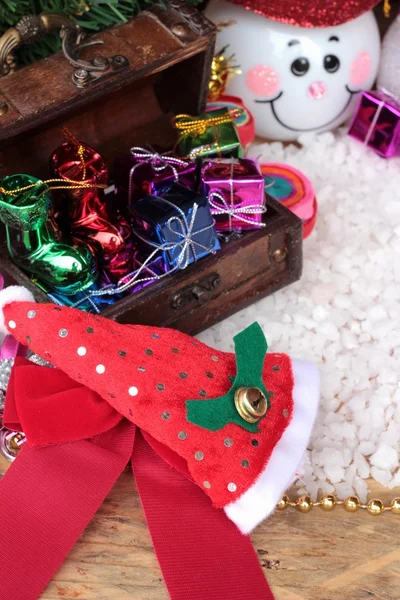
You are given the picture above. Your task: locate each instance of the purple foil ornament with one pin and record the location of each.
(144, 172)
(376, 123)
(235, 190)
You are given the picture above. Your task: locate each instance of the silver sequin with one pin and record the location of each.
(165, 416)
(141, 369)
(207, 484)
(183, 375)
(285, 413)
(182, 435)
(215, 358)
(155, 336)
(175, 350)
(100, 369)
(199, 455)
(5, 372)
(63, 333)
(81, 351)
(122, 353)
(160, 387)
(209, 374)
(148, 351)
(245, 463)
(12, 324)
(232, 487)
(231, 378)
(202, 393)
(228, 442)
(31, 314)
(133, 391)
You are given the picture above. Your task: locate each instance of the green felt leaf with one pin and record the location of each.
(213, 414)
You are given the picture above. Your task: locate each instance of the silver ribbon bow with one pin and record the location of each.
(185, 233)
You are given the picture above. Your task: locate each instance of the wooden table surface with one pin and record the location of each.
(314, 556)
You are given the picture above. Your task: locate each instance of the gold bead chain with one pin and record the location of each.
(328, 502)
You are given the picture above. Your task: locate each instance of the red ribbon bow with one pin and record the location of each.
(77, 447)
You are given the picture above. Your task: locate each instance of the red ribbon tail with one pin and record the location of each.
(47, 498)
(201, 552)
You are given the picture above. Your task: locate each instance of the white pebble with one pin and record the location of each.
(385, 457)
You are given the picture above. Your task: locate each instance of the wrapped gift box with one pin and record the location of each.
(179, 223)
(376, 123)
(235, 189)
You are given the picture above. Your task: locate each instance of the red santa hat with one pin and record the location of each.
(309, 13)
(237, 426)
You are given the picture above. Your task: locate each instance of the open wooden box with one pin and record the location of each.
(160, 67)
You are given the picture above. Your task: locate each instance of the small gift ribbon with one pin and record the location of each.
(374, 122)
(72, 185)
(186, 243)
(187, 125)
(158, 162)
(239, 212)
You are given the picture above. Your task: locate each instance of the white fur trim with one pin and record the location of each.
(261, 499)
(13, 293)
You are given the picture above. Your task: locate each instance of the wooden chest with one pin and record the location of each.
(160, 66)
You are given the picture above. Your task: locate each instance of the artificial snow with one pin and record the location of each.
(344, 313)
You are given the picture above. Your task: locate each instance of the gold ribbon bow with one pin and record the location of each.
(188, 125)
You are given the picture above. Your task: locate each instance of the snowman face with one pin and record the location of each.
(295, 79)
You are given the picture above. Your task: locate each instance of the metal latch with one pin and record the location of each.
(199, 292)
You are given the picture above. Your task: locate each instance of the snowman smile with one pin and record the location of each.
(271, 102)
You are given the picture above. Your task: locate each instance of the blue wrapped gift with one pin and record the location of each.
(178, 222)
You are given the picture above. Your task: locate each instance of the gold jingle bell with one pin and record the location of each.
(250, 403)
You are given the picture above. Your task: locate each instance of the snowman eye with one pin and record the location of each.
(331, 63)
(300, 66)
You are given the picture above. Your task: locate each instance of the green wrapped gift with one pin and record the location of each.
(212, 134)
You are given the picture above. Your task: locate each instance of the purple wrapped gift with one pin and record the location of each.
(235, 191)
(376, 123)
(144, 172)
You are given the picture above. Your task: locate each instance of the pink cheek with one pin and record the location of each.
(360, 69)
(263, 80)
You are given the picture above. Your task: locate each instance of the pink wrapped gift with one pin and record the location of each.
(376, 123)
(235, 190)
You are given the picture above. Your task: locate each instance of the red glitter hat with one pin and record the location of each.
(180, 393)
(308, 13)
